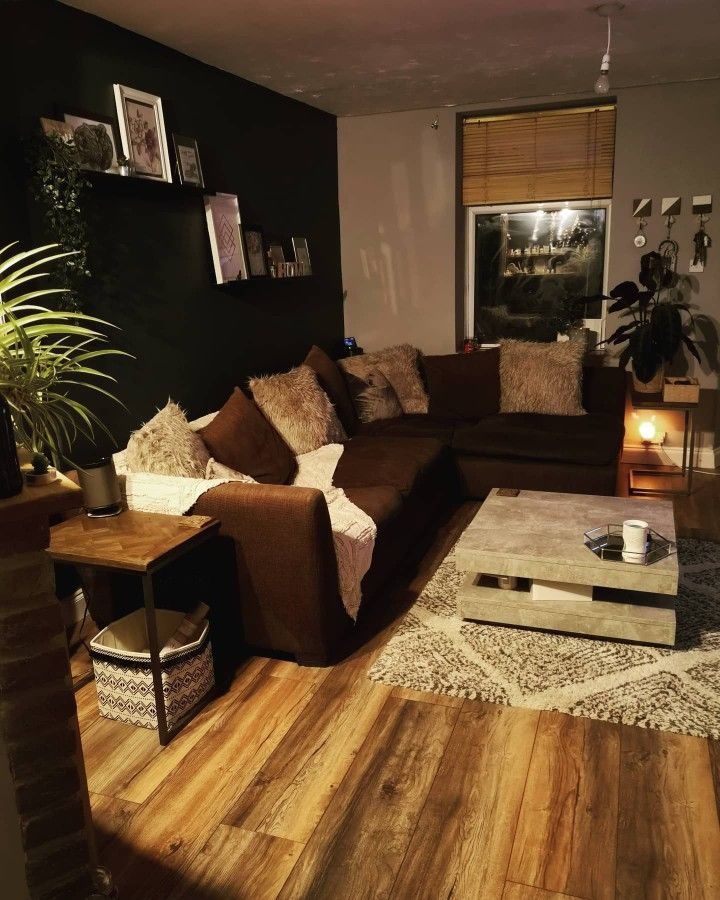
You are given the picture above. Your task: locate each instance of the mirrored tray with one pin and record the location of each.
(606, 542)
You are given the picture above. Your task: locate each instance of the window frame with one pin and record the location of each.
(550, 206)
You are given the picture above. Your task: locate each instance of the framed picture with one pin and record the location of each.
(255, 246)
(223, 221)
(61, 129)
(302, 255)
(94, 138)
(142, 130)
(276, 252)
(188, 160)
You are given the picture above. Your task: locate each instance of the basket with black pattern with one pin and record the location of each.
(123, 676)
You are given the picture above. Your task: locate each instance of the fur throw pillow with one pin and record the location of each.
(298, 409)
(377, 399)
(167, 445)
(541, 378)
(399, 365)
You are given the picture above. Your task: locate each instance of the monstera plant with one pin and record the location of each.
(657, 330)
(47, 358)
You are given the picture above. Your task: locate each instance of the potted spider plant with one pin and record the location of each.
(46, 357)
(656, 331)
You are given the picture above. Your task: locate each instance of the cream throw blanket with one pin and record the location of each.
(354, 532)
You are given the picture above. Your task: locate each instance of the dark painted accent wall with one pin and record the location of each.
(150, 253)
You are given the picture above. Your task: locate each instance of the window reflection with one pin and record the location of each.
(531, 267)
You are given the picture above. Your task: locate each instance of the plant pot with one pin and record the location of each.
(34, 479)
(654, 386)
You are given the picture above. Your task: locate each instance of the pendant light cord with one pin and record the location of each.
(607, 52)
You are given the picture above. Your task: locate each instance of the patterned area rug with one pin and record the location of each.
(666, 689)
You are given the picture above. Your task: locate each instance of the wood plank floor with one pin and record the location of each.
(315, 783)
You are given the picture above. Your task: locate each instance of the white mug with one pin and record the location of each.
(635, 534)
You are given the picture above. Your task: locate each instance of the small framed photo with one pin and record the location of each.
(188, 160)
(302, 255)
(276, 252)
(94, 138)
(255, 246)
(142, 130)
(223, 221)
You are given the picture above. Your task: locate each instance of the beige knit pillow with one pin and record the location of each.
(399, 365)
(377, 399)
(541, 378)
(167, 445)
(298, 409)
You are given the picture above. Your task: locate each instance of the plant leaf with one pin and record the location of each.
(627, 290)
(690, 344)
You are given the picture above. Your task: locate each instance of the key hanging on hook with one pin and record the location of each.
(640, 240)
(701, 242)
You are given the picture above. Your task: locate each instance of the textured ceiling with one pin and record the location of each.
(353, 57)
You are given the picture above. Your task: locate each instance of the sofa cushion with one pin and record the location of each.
(298, 409)
(382, 503)
(377, 400)
(167, 445)
(592, 439)
(400, 462)
(604, 390)
(438, 427)
(464, 385)
(541, 378)
(399, 365)
(241, 438)
(331, 380)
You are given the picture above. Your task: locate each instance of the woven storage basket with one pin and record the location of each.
(123, 676)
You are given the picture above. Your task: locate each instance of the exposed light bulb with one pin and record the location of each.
(647, 430)
(602, 82)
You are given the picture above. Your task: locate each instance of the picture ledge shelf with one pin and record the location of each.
(111, 179)
(264, 279)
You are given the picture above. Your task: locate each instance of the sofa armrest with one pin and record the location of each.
(286, 566)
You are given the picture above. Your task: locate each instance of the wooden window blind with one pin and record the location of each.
(563, 154)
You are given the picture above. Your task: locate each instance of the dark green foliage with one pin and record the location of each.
(59, 183)
(666, 327)
(655, 333)
(645, 356)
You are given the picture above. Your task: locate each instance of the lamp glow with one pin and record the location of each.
(647, 430)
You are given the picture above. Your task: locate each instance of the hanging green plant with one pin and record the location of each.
(59, 184)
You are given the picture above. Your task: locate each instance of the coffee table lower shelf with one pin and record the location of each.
(612, 613)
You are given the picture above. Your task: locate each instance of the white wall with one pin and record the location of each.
(397, 208)
(398, 211)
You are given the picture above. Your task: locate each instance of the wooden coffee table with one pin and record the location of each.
(139, 543)
(539, 536)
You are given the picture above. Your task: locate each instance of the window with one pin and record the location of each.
(537, 188)
(528, 262)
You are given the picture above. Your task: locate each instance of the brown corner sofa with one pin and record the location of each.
(403, 473)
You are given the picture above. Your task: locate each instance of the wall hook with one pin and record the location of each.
(435, 124)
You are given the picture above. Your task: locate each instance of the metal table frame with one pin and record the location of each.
(686, 467)
(195, 539)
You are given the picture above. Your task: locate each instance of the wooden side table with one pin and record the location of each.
(640, 477)
(139, 543)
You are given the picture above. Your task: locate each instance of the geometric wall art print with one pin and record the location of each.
(223, 221)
